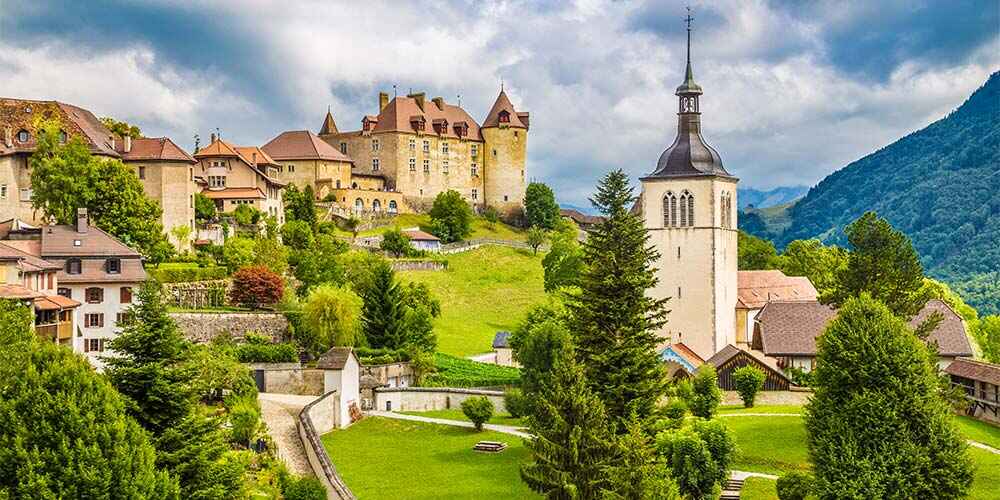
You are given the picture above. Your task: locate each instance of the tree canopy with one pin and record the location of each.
(451, 217)
(540, 207)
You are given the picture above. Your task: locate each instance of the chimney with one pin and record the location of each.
(439, 102)
(213, 137)
(112, 141)
(128, 143)
(8, 137)
(81, 220)
(419, 98)
(383, 101)
(255, 158)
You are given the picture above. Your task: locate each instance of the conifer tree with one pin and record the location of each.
(383, 315)
(878, 427)
(615, 321)
(572, 450)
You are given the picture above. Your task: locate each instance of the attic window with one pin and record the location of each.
(504, 117)
(77, 243)
(23, 136)
(27, 109)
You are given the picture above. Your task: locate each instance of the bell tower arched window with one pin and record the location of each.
(687, 209)
(669, 210)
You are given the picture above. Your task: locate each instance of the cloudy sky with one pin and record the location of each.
(793, 89)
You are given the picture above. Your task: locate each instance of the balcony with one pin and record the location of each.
(60, 333)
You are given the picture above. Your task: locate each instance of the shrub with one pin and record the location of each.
(705, 393)
(675, 411)
(204, 208)
(748, 380)
(800, 377)
(795, 485)
(516, 403)
(395, 243)
(238, 252)
(256, 286)
(246, 215)
(479, 410)
(302, 488)
(297, 234)
(698, 457)
(244, 418)
(267, 352)
(187, 274)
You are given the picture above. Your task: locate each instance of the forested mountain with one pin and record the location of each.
(747, 197)
(940, 185)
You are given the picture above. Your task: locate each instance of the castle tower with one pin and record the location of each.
(505, 132)
(689, 207)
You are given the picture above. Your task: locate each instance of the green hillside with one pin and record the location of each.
(483, 291)
(939, 185)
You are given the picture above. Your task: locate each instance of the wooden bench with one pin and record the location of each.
(490, 446)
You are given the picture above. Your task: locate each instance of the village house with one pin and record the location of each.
(420, 240)
(93, 269)
(787, 332)
(981, 382)
(163, 167)
(232, 176)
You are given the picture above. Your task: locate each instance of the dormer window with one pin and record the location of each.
(113, 266)
(343, 148)
(77, 243)
(23, 136)
(504, 117)
(73, 266)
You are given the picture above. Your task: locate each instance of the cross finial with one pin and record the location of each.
(394, 90)
(501, 84)
(688, 20)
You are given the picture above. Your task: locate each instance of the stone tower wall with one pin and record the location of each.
(504, 168)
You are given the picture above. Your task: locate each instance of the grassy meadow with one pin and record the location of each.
(456, 414)
(480, 228)
(386, 458)
(482, 291)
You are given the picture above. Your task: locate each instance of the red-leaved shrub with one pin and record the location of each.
(256, 286)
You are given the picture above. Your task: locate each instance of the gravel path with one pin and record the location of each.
(506, 429)
(280, 412)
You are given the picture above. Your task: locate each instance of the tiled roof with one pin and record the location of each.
(18, 292)
(399, 115)
(234, 193)
(54, 303)
(61, 241)
(153, 149)
(20, 114)
(33, 262)
(329, 126)
(975, 369)
(580, 217)
(92, 270)
(417, 235)
(756, 288)
(336, 358)
(219, 147)
(791, 328)
(503, 104)
(302, 145)
(255, 155)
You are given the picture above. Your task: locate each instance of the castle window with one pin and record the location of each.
(427, 146)
(375, 165)
(392, 206)
(413, 145)
(291, 169)
(63, 137)
(444, 166)
(375, 145)
(413, 164)
(427, 166)
(494, 153)
(142, 172)
(474, 150)
(3, 192)
(359, 205)
(338, 183)
(504, 117)
(475, 194)
(343, 147)
(23, 136)
(475, 170)
(376, 206)
(516, 136)
(690, 210)
(444, 148)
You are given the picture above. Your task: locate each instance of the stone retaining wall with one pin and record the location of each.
(431, 398)
(204, 326)
(316, 419)
(290, 378)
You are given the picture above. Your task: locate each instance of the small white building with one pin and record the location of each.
(502, 349)
(342, 374)
(422, 241)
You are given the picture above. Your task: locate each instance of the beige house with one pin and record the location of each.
(232, 176)
(418, 148)
(167, 175)
(689, 207)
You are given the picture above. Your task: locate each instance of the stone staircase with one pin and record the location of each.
(731, 489)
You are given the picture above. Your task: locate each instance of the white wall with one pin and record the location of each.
(345, 383)
(110, 307)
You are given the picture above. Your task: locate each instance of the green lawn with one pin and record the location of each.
(482, 291)
(480, 228)
(385, 458)
(761, 409)
(758, 488)
(978, 430)
(456, 414)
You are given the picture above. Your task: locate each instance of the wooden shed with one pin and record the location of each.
(731, 358)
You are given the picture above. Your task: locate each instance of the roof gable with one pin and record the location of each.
(302, 145)
(154, 149)
(20, 114)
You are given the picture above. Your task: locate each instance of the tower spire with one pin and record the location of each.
(688, 19)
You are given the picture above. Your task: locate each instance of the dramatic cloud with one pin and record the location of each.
(793, 90)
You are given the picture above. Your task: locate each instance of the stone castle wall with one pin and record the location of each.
(203, 327)
(504, 176)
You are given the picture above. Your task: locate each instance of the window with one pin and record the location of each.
(343, 147)
(3, 191)
(63, 137)
(413, 164)
(113, 266)
(359, 205)
(142, 172)
(474, 150)
(291, 169)
(93, 320)
(679, 293)
(376, 206)
(413, 144)
(375, 145)
(475, 194)
(678, 253)
(444, 166)
(504, 117)
(690, 210)
(427, 166)
(121, 318)
(216, 181)
(427, 146)
(94, 295)
(338, 183)
(73, 266)
(475, 170)
(375, 165)
(23, 136)
(494, 153)
(669, 210)
(444, 148)
(52, 280)
(392, 206)
(687, 209)
(93, 345)
(125, 295)
(65, 292)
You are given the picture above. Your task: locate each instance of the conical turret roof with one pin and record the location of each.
(329, 126)
(503, 104)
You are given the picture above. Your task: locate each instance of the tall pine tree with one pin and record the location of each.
(383, 316)
(615, 321)
(573, 449)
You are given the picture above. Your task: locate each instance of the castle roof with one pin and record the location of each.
(153, 149)
(302, 145)
(410, 113)
(503, 106)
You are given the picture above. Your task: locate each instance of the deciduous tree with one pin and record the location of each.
(536, 238)
(204, 208)
(705, 396)
(451, 217)
(877, 424)
(699, 457)
(297, 234)
(748, 381)
(319, 264)
(810, 258)
(540, 207)
(255, 287)
(755, 253)
(564, 263)
(333, 315)
(395, 242)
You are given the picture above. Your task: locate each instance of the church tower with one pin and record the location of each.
(689, 205)
(505, 132)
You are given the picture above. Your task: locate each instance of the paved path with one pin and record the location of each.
(982, 446)
(506, 429)
(280, 412)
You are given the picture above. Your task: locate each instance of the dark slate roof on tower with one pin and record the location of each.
(503, 104)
